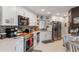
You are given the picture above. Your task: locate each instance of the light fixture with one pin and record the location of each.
(48, 12)
(42, 10)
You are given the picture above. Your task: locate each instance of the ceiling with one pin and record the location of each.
(61, 10)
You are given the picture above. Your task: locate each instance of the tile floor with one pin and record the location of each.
(8, 45)
(56, 46)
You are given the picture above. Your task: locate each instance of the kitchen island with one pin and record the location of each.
(45, 35)
(19, 43)
(28, 41)
(24, 42)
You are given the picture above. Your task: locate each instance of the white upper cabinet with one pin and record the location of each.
(9, 16)
(20, 11)
(32, 18)
(33, 21)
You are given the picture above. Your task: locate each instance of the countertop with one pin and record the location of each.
(35, 31)
(26, 35)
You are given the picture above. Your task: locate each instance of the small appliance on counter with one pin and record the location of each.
(11, 32)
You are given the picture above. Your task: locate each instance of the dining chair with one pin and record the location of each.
(67, 39)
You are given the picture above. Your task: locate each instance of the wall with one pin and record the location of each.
(9, 14)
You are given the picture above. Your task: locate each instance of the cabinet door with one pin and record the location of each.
(9, 16)
(20, 45)
(35, 39)
(43, 36)
(33, 20)
(20, 11)
(42, 25)
(49, 35)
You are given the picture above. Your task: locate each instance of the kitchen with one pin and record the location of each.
(22, 29)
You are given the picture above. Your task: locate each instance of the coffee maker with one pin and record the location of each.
(11, 32)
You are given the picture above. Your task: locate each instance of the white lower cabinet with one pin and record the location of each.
(35, 39)
(24, 44)
(32, 21)
(19, 45)
(49, 35)
(45, 35)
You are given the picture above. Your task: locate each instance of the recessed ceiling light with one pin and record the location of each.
(42, 10)
(48, 12)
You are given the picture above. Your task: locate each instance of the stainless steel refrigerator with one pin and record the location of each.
(56, 30)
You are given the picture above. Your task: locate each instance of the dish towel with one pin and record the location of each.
(30, 42)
